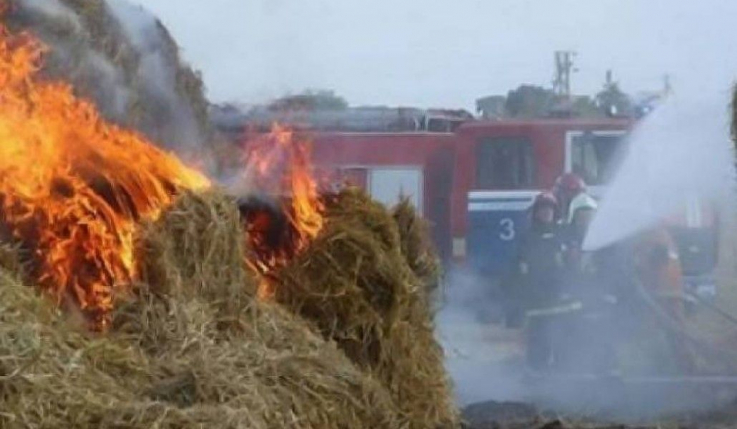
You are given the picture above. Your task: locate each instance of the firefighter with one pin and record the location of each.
(567, 187)
(588, 343)
(580, 214)
(539, 271)
(659, 276)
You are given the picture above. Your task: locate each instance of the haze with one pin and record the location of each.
(448, 53)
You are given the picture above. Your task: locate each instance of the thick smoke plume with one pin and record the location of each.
(122, 57)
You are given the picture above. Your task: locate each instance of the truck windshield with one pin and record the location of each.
(504, 163)
(594, 156)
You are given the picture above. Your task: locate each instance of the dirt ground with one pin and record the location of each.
(515, 415)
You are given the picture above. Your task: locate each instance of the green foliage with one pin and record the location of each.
(586, 107)
(310, 101)
(613, 101)
(530, 101)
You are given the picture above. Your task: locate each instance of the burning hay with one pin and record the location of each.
(356, 286)
(72, 186)
(170, 362)
(123, 235)
(206, 331)
(196, 348)
(118, 55)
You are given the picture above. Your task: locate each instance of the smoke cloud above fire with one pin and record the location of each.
(120, 56)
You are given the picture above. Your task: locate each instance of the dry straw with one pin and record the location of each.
(191, 347)
(358, 288)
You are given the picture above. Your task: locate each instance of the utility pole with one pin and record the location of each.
(563, 70)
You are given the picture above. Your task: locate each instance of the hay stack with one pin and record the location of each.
(191, 347)
(416, 245)
(213, 346)
(53, 375)
(173, 359)
(355, 285)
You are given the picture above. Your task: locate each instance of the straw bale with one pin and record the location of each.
(172, 358)
(197, 248)
(416, 245)
(272, 365)
(50, 370)
(356, 287)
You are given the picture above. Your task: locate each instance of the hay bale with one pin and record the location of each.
(416, 245)
(173, 358)
(50, 371)
(197, 249)
(271, 370)
(357, 288)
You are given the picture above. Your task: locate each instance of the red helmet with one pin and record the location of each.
(544, 199)
(570, 183)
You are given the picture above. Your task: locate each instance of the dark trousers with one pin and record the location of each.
(539, 343)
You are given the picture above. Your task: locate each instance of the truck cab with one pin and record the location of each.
(502, 165)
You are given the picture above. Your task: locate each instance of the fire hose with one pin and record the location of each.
(712, 307)
(673, 326)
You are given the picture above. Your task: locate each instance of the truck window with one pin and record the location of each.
(504, 163)
(593, 156)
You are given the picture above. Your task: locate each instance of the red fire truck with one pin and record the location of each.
(474, 180)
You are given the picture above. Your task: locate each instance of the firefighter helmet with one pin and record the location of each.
(545, 199)
(570, 183)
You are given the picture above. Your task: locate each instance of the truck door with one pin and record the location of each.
(499, 202)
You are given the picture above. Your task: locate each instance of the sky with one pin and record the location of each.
(447, 53)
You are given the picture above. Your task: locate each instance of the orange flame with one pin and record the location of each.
(72, 186)
(278, 164)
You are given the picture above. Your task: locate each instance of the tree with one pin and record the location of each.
(612, 101)
(530, 101)
(585, 107)
(310, 101)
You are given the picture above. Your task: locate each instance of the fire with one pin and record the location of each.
(278, 165)
(72, 186)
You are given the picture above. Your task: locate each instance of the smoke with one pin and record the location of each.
(157, 72)
(484, 360)
(110, 84)
(681, 153)
(95, 74)
(122, 58)
(53, 9)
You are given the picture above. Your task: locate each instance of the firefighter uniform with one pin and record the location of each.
(658, 273)
(539, 272)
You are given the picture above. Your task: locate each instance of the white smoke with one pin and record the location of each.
(680, 153)
(155, 71)
(483, 359)
(55, 10)
(110, 83)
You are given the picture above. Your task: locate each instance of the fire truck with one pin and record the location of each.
(474, 180)
(502, 166)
